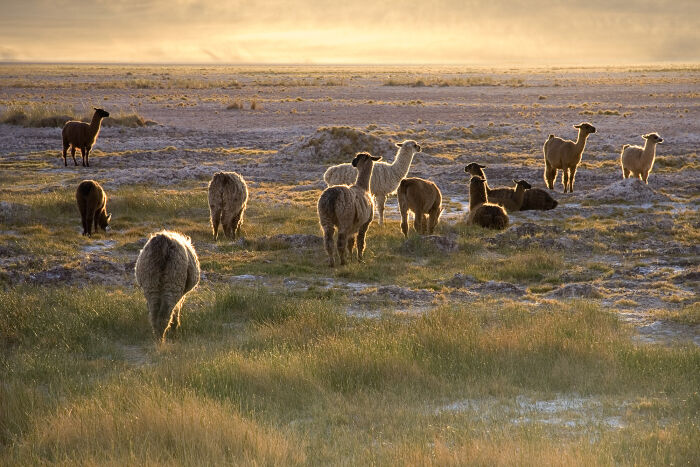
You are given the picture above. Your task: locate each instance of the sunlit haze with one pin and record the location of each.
(487, 32)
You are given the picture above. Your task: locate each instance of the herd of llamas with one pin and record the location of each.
(168, 268)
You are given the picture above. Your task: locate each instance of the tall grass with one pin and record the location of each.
(440, 81)
(36, 115)
(263, 378)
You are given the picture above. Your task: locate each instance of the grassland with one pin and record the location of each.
(421, 356)
(262, 374)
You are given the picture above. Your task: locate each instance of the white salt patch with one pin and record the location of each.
(99, 245)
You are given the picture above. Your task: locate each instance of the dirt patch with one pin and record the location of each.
(89, 271)
(442, 244)
(282, 241)
(460, 280)
(631, 190)
(337, 144)
(576, 291)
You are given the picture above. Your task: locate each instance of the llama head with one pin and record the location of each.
(104, 220)
(522, 183)
(585, 127)
(653, 137)
(474, 169)
(102, 113)
(409, 144)
(362, 158)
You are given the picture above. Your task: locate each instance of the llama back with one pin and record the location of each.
(538, 199)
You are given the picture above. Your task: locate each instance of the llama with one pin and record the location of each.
(92, 204)
(385, 177)
(638, 161)
(481, 212)
(350, 209)
(167, 269)
(534, 198)
(83, 136)
(423, 197)
(510, 198)
(228, 197)
(565, 155)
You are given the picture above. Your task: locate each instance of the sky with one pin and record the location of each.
(472, 32)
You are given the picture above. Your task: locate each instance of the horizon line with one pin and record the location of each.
(304, 64)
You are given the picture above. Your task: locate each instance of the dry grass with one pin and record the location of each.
(452, 81)
(36, 115)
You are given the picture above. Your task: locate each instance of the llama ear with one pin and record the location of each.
(516, 181)
(481, 166)
(375, 158)
(577, 126)
(109, 217)
(398, 145)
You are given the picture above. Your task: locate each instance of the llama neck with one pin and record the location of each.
(649, 148)
(364, 175)
(402, 163)
(519, 193)
(95, 124)
(477, 195)
(581, 141)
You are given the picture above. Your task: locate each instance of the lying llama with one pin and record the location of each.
(565, 155)
(350, 209)
(423, 197)
(92, 204)
(638, 161)
(81, 135)
(386, 177)
(228, 197)
(167, 269)
(481, 212)
(534, 198)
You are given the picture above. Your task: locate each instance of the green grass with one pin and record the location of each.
(264, 374)
(257, 377)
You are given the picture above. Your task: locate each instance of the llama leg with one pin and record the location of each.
(65, 152)
(424, 224)
(550, 176)
(165, 313)
(417, 219)
(72, 153)
(175, 320)
(236, 225)
(404, 220)
(226, 222)
(90, 221)
(328, 232)
(87, 156)
(361, 242)
(215, 219)
(351, 245)
(645, 175)
(342, 245)
(625, 173)
(83, 218)
(565, 179)
(432, 221)
(572, 177)
(94, 227)
(381, 199)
